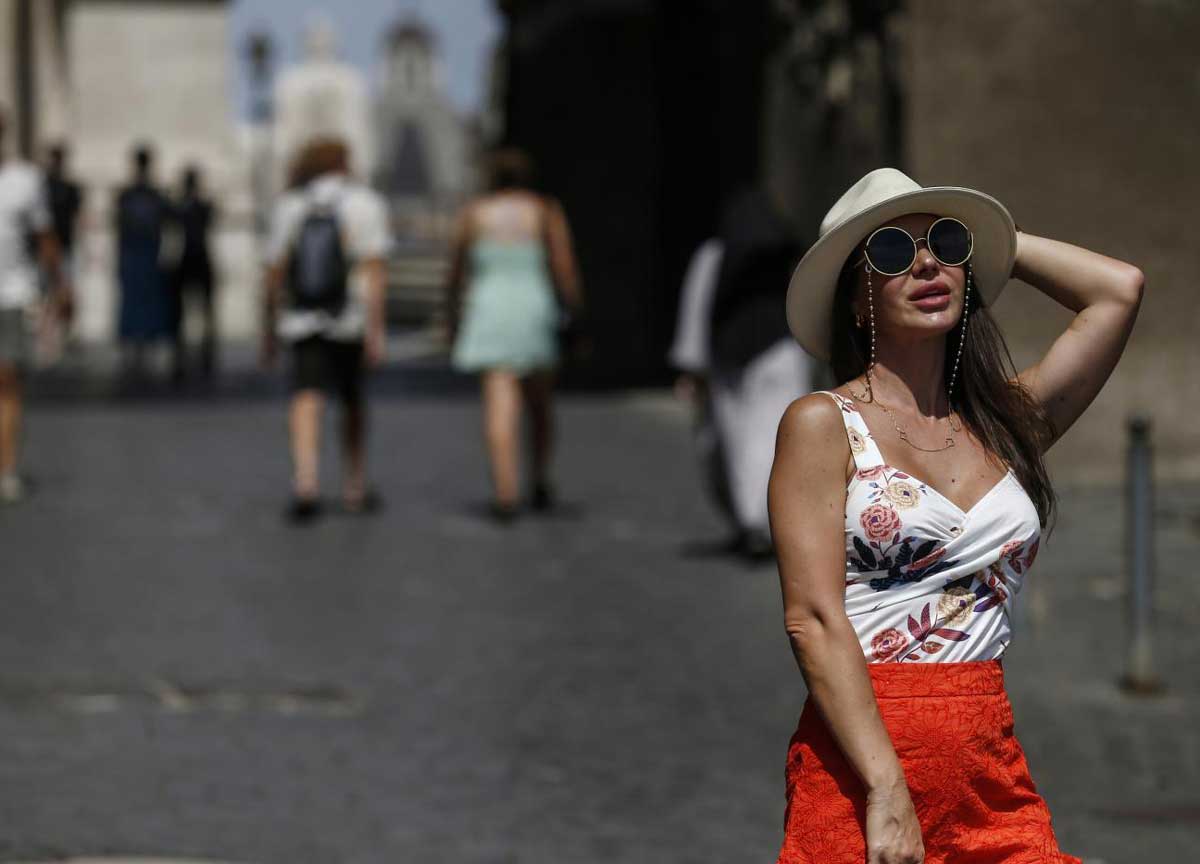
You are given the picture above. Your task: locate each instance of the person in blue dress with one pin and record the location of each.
(512, 278)
(142, 213)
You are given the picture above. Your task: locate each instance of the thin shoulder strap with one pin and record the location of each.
(862, 443)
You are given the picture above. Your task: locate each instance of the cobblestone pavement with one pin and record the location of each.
(182, 674)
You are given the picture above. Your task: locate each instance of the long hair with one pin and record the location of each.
(998, 411)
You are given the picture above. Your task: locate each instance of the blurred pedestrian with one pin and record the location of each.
(325, 296)
(64, 198)
(142, 214)
(691, 355)
(192, 280)
(512, 279)
(25, 228)
(756, 366)
(907, 506)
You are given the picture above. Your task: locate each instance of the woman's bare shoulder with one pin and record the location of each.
(814, 422)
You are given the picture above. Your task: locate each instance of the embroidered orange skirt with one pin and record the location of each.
(952, 727)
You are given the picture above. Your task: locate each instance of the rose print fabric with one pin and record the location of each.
(925, 580)
(952, 727)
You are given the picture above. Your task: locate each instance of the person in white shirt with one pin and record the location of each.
(24, 228)
(325, 287)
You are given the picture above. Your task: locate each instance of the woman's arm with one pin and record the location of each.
(807, 498)
(1105, 294)
(459, 246)
(562, 255)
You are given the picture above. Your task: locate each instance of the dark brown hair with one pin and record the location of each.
(998, 411)
(319, 156)
(509, 168)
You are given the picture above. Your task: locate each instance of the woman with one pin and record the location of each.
(907, 506)
(513, 250)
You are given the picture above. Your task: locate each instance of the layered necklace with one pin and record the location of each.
(869, 397)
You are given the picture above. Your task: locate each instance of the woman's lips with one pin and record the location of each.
(932, 301)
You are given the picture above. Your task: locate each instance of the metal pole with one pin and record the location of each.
(1139, 674)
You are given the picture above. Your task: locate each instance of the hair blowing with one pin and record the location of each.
(999, 411)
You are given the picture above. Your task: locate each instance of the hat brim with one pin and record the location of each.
(814, 281)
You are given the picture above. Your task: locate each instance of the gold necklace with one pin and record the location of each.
(900, 430)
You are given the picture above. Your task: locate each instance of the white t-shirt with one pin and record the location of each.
(23, 210)
(362, 218)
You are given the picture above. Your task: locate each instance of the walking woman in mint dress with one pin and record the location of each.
(512, 274)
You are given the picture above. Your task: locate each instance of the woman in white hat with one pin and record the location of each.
(906, 508)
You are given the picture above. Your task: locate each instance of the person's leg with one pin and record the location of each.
(10, 421)
(501, 418)
(304, 422)
(539, 400)
(208, 348)
(178, 314)
(309, 378)
(350, 373)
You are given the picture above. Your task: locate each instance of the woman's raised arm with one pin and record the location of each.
(1105, 294)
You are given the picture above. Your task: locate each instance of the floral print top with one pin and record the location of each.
(926, 580)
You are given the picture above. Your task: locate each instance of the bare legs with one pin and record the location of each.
(304, 420)
(10, 418)
(501, 415)
(503, 394)
(354, 452)
(539, 395)
(304, 423)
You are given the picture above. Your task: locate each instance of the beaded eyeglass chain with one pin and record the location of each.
(870, 395)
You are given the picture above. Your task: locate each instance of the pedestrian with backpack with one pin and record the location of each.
(324, 297)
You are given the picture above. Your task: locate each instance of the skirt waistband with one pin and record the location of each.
(909, 680)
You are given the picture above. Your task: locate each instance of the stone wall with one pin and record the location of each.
(1081, 117)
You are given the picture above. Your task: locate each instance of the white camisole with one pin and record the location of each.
(925, 580)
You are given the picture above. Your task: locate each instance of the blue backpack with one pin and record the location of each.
(318, 271)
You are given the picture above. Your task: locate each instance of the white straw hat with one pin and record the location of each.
(879, 197)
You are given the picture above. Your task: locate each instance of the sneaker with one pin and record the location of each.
(503, 512)
(369, 502)
(12, 489)
(543, 498)
(303, 510)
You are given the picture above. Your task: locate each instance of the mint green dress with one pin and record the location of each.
(510, 314)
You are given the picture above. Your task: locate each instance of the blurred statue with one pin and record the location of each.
(322, 97)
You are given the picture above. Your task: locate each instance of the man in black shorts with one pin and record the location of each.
(325, 297)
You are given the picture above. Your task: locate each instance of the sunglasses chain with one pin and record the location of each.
(869, 396)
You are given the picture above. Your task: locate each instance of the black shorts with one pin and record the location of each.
(329, 365)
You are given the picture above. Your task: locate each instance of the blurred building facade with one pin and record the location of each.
(104, 76)
(1025, 100)
(426, 165)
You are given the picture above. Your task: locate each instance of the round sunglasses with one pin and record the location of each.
(891, 250)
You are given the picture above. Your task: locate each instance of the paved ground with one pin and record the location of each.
(183, 675)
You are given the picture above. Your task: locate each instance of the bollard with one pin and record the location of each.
(1139, 541)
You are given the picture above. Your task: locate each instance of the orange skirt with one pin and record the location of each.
(952, 727)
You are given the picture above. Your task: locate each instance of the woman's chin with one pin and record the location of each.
(930, 325)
